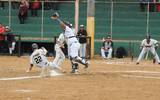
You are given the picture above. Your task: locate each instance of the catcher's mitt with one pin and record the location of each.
(55, 15)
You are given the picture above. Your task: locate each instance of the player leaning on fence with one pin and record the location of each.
(73, 44)
(147, 45)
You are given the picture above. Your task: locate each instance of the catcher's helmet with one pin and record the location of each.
(34, 46)
(67, 23)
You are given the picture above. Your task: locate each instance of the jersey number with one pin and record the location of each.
(38, 59)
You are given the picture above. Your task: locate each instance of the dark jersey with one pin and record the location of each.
(82, 36)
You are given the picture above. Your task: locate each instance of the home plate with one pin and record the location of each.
(54, 73)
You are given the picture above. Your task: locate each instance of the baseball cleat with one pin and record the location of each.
(137, 63)
(75, 71)
(154, 61)
(87, 64)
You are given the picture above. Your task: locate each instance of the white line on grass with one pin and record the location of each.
(139, 76)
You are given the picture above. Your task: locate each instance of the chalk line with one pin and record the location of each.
(19, 78)
(52, 73)
(139, 76)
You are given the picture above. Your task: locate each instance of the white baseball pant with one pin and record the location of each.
(147, 49)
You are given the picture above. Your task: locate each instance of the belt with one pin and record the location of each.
(71, 37)
(147, 46)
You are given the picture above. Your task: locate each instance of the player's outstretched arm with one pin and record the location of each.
(55, 16)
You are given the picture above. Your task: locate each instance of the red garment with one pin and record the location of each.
(158, 7)
(36, 4)
(2, 31)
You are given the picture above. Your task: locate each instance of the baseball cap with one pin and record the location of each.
(7, 27)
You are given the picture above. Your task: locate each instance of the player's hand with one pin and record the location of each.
(27, 71)
(55, 16)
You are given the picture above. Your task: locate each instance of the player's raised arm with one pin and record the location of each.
(55, 16)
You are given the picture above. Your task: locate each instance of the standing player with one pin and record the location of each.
(38, 58)
(73, 44)
(58, 48)
(147, 45)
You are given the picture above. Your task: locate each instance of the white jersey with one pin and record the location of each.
(61, 38)
(152, 43)
(38, 57)
(74, 31)
(70, 36)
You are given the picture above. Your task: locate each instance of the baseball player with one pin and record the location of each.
(38, 58)
(147, 45)
(11, 39)
(59, 58)
(73, 45)
(106, 50)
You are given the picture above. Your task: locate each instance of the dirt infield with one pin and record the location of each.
(118, 79)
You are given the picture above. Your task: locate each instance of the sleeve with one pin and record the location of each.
(86, 33)
(61, 38)
(31, 61)
(112, 44)
(44, 51)
(155, 42)
(103, 45)
(78, 33)
(68, 30)
(142, 43)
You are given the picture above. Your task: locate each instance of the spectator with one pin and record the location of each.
(15, 4)
(51, 4)
(23, 11)
(107, 48)
(152, 5)
(35, 6)
(2, 37)
(82, 34)
(143, 4)
(158, 6)
(11, 40)
(54, 4)
(47, 5)
(2, 4)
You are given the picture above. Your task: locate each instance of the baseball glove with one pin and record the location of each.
(55, 15)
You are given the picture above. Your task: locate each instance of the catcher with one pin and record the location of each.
(73, 45)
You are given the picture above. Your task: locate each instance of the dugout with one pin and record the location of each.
(23, 46)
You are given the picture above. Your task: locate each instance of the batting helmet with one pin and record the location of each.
(34, 46)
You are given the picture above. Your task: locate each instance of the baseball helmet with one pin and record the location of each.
(34, 46)
(67, 23)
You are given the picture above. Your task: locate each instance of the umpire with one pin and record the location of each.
(82, 35)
